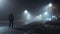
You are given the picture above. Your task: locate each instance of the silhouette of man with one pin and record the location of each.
(11, 19)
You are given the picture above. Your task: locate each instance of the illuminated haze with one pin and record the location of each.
(17, 7)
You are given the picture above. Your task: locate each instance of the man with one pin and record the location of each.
(11, 19)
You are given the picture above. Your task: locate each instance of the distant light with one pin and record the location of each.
(26, 12)
(40, 15)
(46, 13)
(49, 19)
(27, 15)
(50, 5)
(53, 16)
(38, 18)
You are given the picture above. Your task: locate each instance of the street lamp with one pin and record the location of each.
(27, 15)
(50, 5)
(25, 11)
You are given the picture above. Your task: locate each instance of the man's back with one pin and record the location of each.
(11, 17)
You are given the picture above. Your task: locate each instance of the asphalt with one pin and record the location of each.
(19, 28)
(35, 28)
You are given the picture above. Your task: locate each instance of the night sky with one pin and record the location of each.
(17, 7)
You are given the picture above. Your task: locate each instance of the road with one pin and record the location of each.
(44, 29)
(6, 30)
(19, 28)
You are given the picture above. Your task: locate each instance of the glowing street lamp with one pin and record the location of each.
(50, 5)
(26, 12)
(27, 15)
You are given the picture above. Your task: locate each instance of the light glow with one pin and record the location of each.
(3, 3)
(26, 12)
(28, 16)
(46, 13)
(50, 5)
(40, 15)
(38, 18)
(49, 19)
(53, 16)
